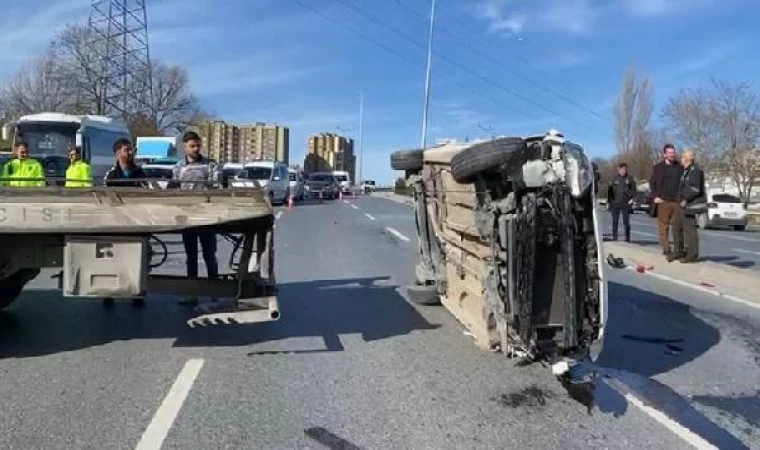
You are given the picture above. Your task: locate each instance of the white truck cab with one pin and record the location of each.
(344, 178)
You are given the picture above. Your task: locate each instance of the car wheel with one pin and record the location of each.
(505, 152)
(423, 294)
(740, 227)
(271, 198)
(407, 160)
(702, 221)
(11, 287)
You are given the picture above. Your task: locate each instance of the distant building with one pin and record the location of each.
(328, 152)
(243, 143)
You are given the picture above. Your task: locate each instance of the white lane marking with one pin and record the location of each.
(154, 435)
(396, 233)
(675, 427)
(346, 202)
(354, 206)
(643, 233)
(749, 252)
(369, 216)
(738, 238)
(699, 288)
(277, 217)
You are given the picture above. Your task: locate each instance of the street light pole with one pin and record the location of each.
(361, 128)
(427, 76)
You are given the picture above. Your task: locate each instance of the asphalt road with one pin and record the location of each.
(354, 365)
(739, 249)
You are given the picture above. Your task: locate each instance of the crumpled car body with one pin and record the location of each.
(510, 242)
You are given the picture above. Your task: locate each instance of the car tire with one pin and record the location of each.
(468, 163)
(423, 294)
(703, 222)
(407, 160)
(11, 287)
(740, 227)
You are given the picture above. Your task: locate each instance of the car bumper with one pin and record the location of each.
(728, 221)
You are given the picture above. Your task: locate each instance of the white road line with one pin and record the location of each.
(369, 216)
(162, 422)
(738, 238)
(699, 288)
(675, 427)
(749, 252)
(354, 206)
(396, 233)
(277, 217)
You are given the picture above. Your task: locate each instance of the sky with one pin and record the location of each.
(504, 67)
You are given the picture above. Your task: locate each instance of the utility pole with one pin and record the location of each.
(361, 129)
(427, 76)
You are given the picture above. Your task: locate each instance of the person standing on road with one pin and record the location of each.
(22, 171)
(124, 173)
(196, 172)
(79, 173)
(693, 202)
(619, 198)
(664, 183)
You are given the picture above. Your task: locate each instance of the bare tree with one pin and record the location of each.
(66, 79)
(722, 123)
(633, 111)
(38, 86)
(737, 111)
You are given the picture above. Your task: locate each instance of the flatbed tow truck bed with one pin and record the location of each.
(99, 238)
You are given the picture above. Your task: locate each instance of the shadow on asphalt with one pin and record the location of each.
(42, 322)
(649, 334)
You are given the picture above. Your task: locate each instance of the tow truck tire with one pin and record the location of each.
(468, 163)
(423, 294)
(407, 160)
(11, 287)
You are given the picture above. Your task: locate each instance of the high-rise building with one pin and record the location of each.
(329, 151)
(240, 144)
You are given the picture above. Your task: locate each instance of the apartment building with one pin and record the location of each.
(329, 151)
(242, 143)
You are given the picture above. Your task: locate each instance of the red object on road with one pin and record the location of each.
(640, 268)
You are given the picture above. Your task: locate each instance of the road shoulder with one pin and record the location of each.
(718, 279)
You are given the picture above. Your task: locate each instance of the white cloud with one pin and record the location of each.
(659, 8)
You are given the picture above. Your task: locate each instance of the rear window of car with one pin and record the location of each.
(726, 198)
(292, 176)
(321, 178)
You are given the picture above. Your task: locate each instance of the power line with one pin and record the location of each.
(457, 64)
(404, 57)
(414, 13)
(478, 34)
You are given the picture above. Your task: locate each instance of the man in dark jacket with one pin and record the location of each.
(619, 198)
(125, 173)
(692, 201)
(664, 184)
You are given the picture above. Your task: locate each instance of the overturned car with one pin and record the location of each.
(510, 243)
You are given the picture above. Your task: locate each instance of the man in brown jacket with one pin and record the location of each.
(664, 184)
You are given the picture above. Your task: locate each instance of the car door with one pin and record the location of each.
(283, 183)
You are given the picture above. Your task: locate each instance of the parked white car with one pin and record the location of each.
(159, 174)
(272, 176)
(723, 210)
(344, 178)
(297, 183)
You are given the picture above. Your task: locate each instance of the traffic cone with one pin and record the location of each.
(290, 202)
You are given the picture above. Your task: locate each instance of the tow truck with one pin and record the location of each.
(105, 242)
